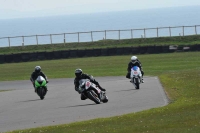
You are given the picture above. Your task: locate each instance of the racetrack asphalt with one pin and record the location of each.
(21, 107)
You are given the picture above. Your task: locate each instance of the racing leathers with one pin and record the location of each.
(86, 76)
(131, 64)
(34, 76)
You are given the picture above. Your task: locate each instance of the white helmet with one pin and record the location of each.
(133, 59)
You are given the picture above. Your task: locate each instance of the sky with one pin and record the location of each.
(40, 8)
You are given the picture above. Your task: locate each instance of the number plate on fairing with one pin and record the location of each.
(87, 84)
(135, 72)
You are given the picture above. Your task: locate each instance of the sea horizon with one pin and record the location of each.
(116, 20)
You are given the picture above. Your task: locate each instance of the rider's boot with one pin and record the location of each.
(83, 97)
(34, 88)
(46, 89)
(142, 80)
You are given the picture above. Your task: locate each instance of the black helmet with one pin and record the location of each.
(37, 69)
(78, 72)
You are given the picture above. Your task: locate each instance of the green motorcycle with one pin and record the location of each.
(41, 87)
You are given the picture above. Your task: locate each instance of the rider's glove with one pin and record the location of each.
(78, 90)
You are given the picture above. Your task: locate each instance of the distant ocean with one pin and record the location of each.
(121, 20)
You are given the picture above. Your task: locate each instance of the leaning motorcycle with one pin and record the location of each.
(41, 87)
(136, 77)
(91, 91)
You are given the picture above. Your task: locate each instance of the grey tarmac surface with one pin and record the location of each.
(21, 108)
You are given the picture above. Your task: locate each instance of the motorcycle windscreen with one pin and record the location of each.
(134, 72)
(40, 81)
(135, 68)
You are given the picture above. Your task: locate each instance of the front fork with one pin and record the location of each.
(133, 79)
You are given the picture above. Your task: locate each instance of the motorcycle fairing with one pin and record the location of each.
(40, 81)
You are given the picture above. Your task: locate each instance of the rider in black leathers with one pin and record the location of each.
(134, 62)
(37, 72)
(80, 75)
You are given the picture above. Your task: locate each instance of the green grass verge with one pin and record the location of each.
(179, 74)
(178, 40)
(153, 64)
(3, 90)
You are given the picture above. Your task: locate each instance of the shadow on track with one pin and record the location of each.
(79, 105)
(127, 90)
(31, 100)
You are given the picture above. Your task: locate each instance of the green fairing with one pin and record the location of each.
(38, 85)
(44, 83)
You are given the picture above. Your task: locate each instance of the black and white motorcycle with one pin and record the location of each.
(91, 91)
(136, 77)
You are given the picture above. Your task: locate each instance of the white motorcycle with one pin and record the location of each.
(91, 91)
(136, 77)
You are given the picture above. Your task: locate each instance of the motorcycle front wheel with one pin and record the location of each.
(137, 83)
(41, 92)
(94, 97)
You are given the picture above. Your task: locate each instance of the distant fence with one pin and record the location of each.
(99, 35)
(35, 56)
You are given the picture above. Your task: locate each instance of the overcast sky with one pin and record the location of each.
(34, 8)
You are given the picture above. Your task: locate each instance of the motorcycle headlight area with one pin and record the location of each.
(135, 72)
(88, 84)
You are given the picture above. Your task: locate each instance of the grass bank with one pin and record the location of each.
(178, 72)
(178, 40)
(153, 64)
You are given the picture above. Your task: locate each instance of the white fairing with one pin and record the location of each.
(136, 77)
(136, 73)
(87, 84)
(40, 78)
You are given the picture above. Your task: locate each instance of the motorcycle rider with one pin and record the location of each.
(37, 72)
(134, 62)
(80, 75)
